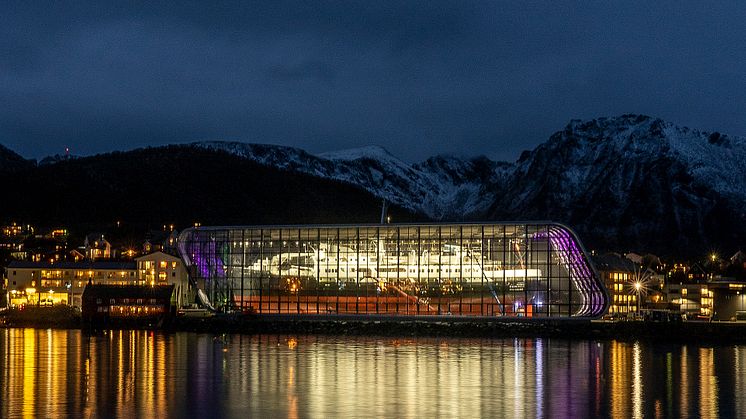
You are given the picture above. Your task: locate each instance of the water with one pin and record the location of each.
(59, 373)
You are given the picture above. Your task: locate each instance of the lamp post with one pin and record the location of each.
(638, 285)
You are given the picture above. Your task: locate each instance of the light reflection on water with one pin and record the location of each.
(58, 373)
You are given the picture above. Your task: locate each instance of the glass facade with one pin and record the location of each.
(535, 270)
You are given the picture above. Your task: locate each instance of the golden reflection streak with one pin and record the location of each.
(669, 384)
(49, 376)
(708, 384)
(740, 369)
(121, 400)
(29, 370)
(619, 387)
(636, 381)
(90, 393)
(160, 359)
(58, 350)
(291, 394)
(150, 370)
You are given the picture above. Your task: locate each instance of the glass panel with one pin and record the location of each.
(532, 270)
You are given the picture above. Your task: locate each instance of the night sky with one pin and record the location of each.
(418, 78)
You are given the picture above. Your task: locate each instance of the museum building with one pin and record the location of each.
(531, 270)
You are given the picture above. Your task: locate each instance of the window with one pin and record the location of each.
(163, 264)
(161, 276)
(173, 273)
(173, 265)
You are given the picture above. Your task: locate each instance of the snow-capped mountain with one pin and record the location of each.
(634, 181)
(624, 182)
(441, 187)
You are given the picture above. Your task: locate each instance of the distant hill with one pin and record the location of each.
(182, 185)
(625, 183)
(10, 161)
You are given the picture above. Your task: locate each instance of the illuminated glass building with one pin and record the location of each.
(507, 269)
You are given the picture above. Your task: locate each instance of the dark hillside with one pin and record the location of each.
(181, 185)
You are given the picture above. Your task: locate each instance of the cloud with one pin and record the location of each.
(419, 78)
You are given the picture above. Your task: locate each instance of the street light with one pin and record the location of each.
(638, 285)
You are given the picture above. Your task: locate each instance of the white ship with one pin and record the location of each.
(342, 264)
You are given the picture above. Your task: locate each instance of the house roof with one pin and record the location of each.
(158, 256)
(87, 265)
(128, 291)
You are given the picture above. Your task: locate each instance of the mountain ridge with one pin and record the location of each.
(630, 182)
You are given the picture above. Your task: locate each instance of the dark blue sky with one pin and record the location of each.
(434, 77)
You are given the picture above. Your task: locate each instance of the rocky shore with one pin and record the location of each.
(64, 317)
(470, 327)
(54, 317)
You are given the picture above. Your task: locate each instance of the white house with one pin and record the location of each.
(160, 268)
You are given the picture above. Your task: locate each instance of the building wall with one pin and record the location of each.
(622, 295)
(694, 299)
(50, 285)
(160, 269)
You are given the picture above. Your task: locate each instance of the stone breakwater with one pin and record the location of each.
(481, 327)
(55, 317)
(63, 317)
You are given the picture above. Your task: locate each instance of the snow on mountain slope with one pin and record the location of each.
(620, 180)
(713, 160)
(634, 180)
(439, 187)
(623, 182)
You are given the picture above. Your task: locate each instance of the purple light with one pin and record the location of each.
(201, 252)
(593, 297)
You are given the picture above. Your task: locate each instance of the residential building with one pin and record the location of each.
(620, 276)
(97, 247)
(42, 283)
(160, 268)
(131, 305)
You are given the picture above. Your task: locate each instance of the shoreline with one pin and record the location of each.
(467, 327)
(403, 326)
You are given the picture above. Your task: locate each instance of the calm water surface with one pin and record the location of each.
(58, 373)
